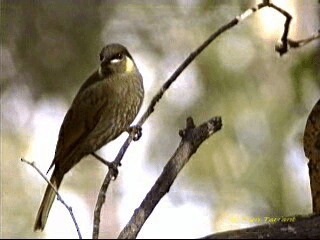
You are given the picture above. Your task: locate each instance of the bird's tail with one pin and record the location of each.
(47, 201)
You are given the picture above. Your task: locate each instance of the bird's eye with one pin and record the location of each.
(101, 57)
(117, 58)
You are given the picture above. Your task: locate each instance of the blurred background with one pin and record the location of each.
(253, 168)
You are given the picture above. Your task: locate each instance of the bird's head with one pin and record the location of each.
(115, 58)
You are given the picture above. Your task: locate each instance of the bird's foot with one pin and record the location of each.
(135, 132)
(110, 165)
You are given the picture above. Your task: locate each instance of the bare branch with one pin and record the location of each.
(282, 48)
(32, 164)
(302, 42)
(192, 137)
(112, 174)
(100, 202)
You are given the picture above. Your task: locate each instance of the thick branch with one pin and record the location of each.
(300, 228)
(192, 137)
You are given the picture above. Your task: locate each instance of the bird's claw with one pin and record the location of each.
(135, 132)
(110, 165)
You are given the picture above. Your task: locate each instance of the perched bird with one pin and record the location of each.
(103, 108)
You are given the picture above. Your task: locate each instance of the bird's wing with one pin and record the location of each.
(80, 120)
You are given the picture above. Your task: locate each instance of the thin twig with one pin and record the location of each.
(283, 47)
(190, 59)
(303, 42)
(112, 174)
(100, 202)
(32, 164)
(192, 137)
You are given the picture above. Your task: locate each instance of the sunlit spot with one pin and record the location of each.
(296, 170)
(46, 123)
(16, 117)
(186, 90)
(271, 22)
(60, 224)
(145, 66)
(236, 52)
(195, 218)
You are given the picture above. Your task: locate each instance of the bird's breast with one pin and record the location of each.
(121, 107)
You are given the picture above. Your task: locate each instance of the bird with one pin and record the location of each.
(104, 107)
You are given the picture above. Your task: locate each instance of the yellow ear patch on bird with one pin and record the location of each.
(129, 64)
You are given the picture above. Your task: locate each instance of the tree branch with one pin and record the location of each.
(111, 175)
(282, 48)
(302, 42)
(32, 164)
(301, 227)
(192, 137)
